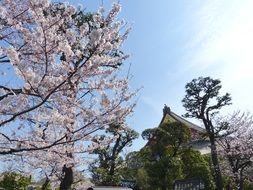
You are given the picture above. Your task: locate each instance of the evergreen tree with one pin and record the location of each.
(202, 101)
(107, 168)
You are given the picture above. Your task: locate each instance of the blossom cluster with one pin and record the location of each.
(237, 146)
(67, 64)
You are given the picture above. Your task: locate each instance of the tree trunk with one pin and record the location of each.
(67, 179)
(228, 187)
(241, 180)
(112, 166)
(217, 173)
(216, 165)
(45, 184)
(111, 172)
(241, 185)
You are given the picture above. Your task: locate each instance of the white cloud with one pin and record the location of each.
(223, 47)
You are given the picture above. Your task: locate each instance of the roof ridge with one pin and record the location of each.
(167, 110)
(185, 120)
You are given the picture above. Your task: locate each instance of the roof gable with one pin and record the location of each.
(169, 117)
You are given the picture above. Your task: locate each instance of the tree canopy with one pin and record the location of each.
(168, 157)
(108, 167)
(14, 181)
(203, 101)
(68, 84)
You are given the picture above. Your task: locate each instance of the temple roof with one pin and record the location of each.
(169, 116)
(198, 141)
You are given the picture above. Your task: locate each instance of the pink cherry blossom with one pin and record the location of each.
(69, 82)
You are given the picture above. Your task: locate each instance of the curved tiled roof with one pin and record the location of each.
(199, 143)
(167, 112)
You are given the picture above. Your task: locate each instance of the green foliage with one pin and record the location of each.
(197, 166)
(247, 185)
(102, 176)
(203, 101)
(161, 158)
(200, 93)
(109, 166)
(47, 188)
(133, 170)
(167, 135)
(133, 160)
(142, 180)
(163, 171)
(80, 16)
(132, 163)
(14, 181)
(167, 158)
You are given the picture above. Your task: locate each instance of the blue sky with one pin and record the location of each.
(173, 42)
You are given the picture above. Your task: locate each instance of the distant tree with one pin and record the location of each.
(133, 160)
(15, 181)
(108, 166)
(202, 101)
(133, 171)
(237, 148)
(142, 180)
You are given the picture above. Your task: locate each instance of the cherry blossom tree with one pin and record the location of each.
(61, 83)
(237, 147)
